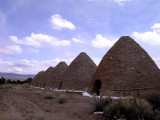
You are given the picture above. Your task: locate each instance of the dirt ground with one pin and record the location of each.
(29, 104)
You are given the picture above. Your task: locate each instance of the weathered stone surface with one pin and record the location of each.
(54, 78)
(126, 69)
(43, 80)
(37, 78)
(79, 73)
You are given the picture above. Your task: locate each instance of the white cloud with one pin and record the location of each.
(59, 23)
(13, 49)
(156, 27)
(102, 42)
(29, 66)
(96, 60)
(24, 66)
(76, 40)
(150, 37)
(36, 40)
(121, 2)
(15, 40)
(157, 61)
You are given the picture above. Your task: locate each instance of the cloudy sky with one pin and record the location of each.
(36, 34)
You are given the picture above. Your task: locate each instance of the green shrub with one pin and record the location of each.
(62, 99)
(100, 103)
(28, 80)
(19, 82)
(2, 80)
(14, 82)
(9, 81)
(130, 108)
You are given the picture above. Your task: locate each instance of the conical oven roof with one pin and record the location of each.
(37, 78)
(79, 73)
(54, 79)
(126, 66)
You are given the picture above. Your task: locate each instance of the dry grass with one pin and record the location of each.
(28, 105)
(107, 93)
(5, 86)
(100, 103)
(26, 85)
(38, 92)
(86, 89)
(10, 116)
(63, 99)
(39, 116)
(49, 95)
(153, 99)
(130, 108)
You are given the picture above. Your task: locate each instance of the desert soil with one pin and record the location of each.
(29, 104)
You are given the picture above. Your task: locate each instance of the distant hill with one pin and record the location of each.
(14, 76)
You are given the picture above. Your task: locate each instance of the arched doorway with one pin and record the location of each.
(44, 84)
(97, 87)
(36, 83)
(60, 85)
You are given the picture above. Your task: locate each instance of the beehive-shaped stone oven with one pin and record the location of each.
(126, 69)
(54, 79)
(79, 73)
(38, 78)
(43, 80)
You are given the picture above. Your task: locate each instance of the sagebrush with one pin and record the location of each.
(62, 99)
(130, 108)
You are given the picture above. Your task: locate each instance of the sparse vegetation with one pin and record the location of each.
(39, 116)
(147, 107)
(2, 81)
(19, 82)
(38, 92)
(86, 89)
(62, 99)
(28, 80)
(153, 99)
(49, 95)
(130, 108)
(5, 87)
(9, 81)
(100, 104)
(157, 114)
(10, 116)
